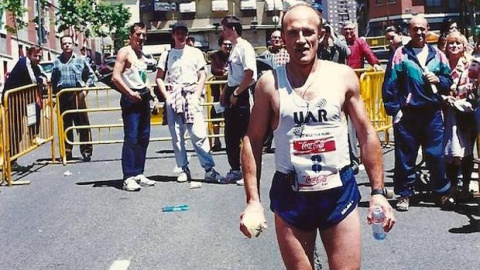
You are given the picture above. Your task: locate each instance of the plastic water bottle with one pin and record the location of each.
(434, 87)
(175, 208)
(378, 217)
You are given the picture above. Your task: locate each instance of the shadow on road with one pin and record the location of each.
(118, 183)
(470, 210)
(19, 173)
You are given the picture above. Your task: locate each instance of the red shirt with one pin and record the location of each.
(359, 51)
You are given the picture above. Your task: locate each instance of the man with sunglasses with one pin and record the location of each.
(219, 69)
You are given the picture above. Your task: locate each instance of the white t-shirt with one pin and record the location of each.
(422, 54)
(242, 57)
(183, 65)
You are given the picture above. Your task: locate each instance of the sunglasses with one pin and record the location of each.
(227, 44)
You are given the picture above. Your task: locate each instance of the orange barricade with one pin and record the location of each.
(27, 124)
(371, 92)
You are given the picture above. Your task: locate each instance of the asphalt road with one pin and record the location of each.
(86, 221)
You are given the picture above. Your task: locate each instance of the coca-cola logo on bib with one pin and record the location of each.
(314, 146)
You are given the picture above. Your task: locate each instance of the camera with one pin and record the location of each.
(145, 94)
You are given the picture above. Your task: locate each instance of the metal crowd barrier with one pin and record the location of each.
(210, 104)
(102, 100)
(106, 101)
(27, 123)
(371, 92)
(2, 154)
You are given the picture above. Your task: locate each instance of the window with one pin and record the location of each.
(391, 1)
(188, 7)
(248, 4)
(219, 5)
(433, 3)
(3, 43)
(378, 2)
(453, 4)
(273, 5)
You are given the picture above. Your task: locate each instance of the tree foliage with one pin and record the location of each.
(16, 10)
(102, 19)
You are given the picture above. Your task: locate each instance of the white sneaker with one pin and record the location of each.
(144, 181)
(131, 185)
(240, 182)
(183, 177)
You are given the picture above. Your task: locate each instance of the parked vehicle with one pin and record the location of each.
(106, 67)
(47, 68)
(151, 62)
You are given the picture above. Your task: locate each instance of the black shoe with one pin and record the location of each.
(216, 148)
(446, 201)
(87, 157)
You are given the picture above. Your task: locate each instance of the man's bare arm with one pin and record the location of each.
(367, 135)
(201, 75)
(252, 219)
(370, 147)
(260, 119)
(161, 83)
(244, 84)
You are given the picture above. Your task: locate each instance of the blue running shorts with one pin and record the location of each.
(312, 210)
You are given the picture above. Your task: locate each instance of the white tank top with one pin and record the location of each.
(311, 138)
(136, 76)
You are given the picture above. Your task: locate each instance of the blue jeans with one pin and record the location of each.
(136, 128)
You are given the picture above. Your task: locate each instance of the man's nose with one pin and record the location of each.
(301, 37)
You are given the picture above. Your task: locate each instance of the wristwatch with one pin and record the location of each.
(233, 94)
(378, 191)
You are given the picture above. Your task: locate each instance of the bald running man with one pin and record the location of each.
(306, 103)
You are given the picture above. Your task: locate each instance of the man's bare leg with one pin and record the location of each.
(296, 246)
(342, 243)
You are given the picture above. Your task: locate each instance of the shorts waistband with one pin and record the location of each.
(289, 176)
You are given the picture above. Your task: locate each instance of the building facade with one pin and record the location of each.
(338, 11)
(383, 13)
(43, 33)
(13, 46)
(259, 18)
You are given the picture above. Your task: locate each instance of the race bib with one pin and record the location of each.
(315, 161)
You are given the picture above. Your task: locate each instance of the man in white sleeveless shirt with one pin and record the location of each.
(130, 78)
(306, 103)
